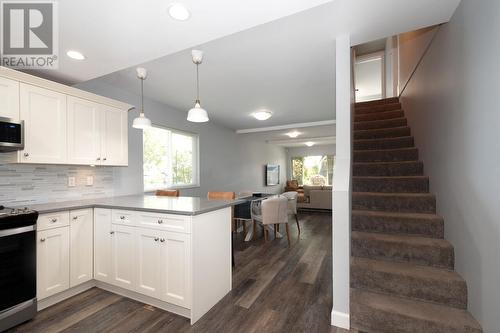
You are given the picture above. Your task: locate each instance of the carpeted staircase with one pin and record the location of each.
(402, 268)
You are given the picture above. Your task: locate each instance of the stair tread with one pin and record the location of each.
(380, 129)
(403, 215)
(372, 151)
(407, 269)
(380, 120)
(381, 139)
(399, 194)
(390, 177)
(420, 310)
(379, 101)
(406, 239)
(387, 162)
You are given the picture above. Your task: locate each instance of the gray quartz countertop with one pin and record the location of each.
(148, 203)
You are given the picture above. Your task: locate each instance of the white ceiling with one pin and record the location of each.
(287, 65)
(116, 34)
(320, 135)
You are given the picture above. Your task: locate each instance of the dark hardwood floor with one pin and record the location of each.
(275, 289)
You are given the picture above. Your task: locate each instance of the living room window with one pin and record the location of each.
(313, 170)
(170, 159)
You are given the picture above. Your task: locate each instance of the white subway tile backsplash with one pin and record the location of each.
(24, 184)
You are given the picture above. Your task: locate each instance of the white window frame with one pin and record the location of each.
(196, 161)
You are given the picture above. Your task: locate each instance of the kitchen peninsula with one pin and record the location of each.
(171, 252)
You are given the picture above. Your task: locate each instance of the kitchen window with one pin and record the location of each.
(170, 159)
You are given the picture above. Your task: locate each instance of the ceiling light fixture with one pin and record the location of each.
(75, 55)
(310, 144)
(141, 122)
(178, 12)
(293, 134)
(197, 114)
(262, 115)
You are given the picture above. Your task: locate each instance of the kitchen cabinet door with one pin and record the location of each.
(114, 136)
(81, 246)
(9, 99)
(149, 262)
(52, 261)
(176, 268)
(102, 245)
(84, 132)
(45, 119)
(123, 256)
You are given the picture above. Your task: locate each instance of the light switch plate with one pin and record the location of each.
(71, 181)
(90, 180)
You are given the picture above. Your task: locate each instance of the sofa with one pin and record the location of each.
(316, 197)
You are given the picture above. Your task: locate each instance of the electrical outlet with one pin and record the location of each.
(71, 181)
(90, 180)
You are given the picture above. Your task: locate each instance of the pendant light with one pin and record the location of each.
(197, 114)
(142, 122)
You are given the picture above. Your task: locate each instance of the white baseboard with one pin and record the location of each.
(145, 299)
(341, 319)
(51, 300)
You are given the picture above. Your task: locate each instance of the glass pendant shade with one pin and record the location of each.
(141, 122)
(197, 114)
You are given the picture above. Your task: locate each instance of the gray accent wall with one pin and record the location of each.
(228, 162)
(453, 109)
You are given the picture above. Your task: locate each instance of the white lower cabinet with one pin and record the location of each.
(102, 245)
(81, 246)
(52, 261)
(149, 259)
(99, 244)
(123, 266)
(175, 268)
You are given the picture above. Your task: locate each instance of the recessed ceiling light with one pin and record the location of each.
(309, 144)
(178, 12)
(75, 55)
(293, 134)
(262, 115)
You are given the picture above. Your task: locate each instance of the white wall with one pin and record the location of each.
(411, 47)
(227, 161)
(341, 214)
(452, 106)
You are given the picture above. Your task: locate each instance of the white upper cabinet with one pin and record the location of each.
(45, 117)
(81, 246)
(64, 125)
(114, 136)
(9, 98)
(84, 131)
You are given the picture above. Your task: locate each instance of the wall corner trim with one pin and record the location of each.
(341, 320)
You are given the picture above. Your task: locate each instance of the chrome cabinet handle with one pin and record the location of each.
(75, 217)
(42, 239)
(111, 232)
(156, 239)
(54, 220)
(160, 221)
(104, 159)
(98, 158)
(26, 154)
(162, 240)
(122, 217)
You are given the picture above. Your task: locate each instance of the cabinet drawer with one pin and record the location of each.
(175, 223)
(126, 217)
(53, 220)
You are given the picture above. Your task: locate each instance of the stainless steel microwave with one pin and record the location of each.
(11, 135)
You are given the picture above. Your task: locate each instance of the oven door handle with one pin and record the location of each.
(15, 231)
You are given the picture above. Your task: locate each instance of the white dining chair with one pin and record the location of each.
(269, 212)
(292, 205)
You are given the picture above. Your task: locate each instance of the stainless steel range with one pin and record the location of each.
(18, 266)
